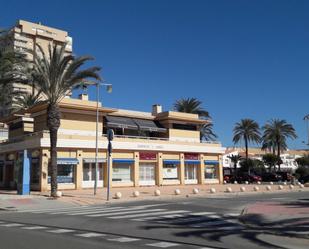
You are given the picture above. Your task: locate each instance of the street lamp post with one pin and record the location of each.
(306, 118)
(109, 90)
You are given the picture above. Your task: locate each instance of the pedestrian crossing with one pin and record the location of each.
(152, 213)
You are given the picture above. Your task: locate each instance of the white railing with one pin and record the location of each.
(139, 137)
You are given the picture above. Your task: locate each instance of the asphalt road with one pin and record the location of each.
(180, 223)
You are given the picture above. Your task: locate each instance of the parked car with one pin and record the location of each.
(285, 176)
(304, 179)
(271, 177)
(243, 177)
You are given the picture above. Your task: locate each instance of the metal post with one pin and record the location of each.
(306, 118)
(108, 172)
(96, 143)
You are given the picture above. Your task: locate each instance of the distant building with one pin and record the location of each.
(288, 157)
(23, 37)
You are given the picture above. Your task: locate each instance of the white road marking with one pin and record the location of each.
(231, 215)
(61, 231)
(11, 225)
(160, 217)
(126, 212)
(97, 209)
(202, 213)
(34, 227)
(151, 214)
(123, 239)
(162, 244)
(90, 235)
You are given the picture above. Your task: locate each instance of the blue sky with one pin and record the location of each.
(243, 59)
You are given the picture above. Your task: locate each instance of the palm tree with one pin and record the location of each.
(275, 133)
(207, 132)
(270, 160)
(54, 76)
(191, 105)
(247, 130)
(235, 159)
(25, 100)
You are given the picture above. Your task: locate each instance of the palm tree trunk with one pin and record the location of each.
(278, 154)
(53, 123)
(247, 156)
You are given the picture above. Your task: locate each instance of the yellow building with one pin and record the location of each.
(157, 148)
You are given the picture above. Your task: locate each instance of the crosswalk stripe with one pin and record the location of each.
(151, 214)
(50, 209)
(90, 235)
(202, 213)
(162, 244)
(34, 228)
(123, 239)
(86, 210)
(60, 231)
(97, 211)
(111, 210)
(160, 217)
(126, 212)
(11, 225)
(213, 223)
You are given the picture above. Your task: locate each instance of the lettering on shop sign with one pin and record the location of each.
(150, 147)
(191, 156)
(147, 156)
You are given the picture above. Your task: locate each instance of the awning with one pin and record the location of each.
(67, 161)
(192, 161)
(121, 122)
(171, 161)
(148, 125)
(123, 160)
(92, 160)
(211, 162)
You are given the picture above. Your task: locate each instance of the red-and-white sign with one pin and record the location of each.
(147, 156)
(191, 156)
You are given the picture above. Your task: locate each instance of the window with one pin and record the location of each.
(35, 171)
(66, 173)
(211, 171)
(170, 171)
(89, 171)
(185, 127)
(122, 172)
(190, 171)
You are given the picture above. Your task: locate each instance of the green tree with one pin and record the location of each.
(247, 130)
(235, 159)
(303, 161)
(270, 160)
(193, 105)
(54, 76)
(276, 132)
(26, 100)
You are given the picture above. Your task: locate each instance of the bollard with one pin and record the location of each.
(157, 192)
(285, 183)
(177, 191)
(229, 190)
(271, 183)
(235, 182)
(224, 182)
(212, 190)
(268, 188)
(301, 186)
(136, 194)
(195, 191)
(258, 182)
(242, 189)
(280, 187)
(291, 186)
(118, 195)
(58, 193)
(256, 188)
(246, 182)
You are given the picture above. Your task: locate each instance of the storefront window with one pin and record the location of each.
(170, 171)
(211, 171)
(190, 171)
(66, 173)
(35, 170)
(89, 171)
(122, 172)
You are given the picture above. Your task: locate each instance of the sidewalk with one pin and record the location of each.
(279, 218)
(86, 196)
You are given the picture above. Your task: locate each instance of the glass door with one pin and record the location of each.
(89, 175)
(147, 174)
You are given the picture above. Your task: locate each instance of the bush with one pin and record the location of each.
(302, 171)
